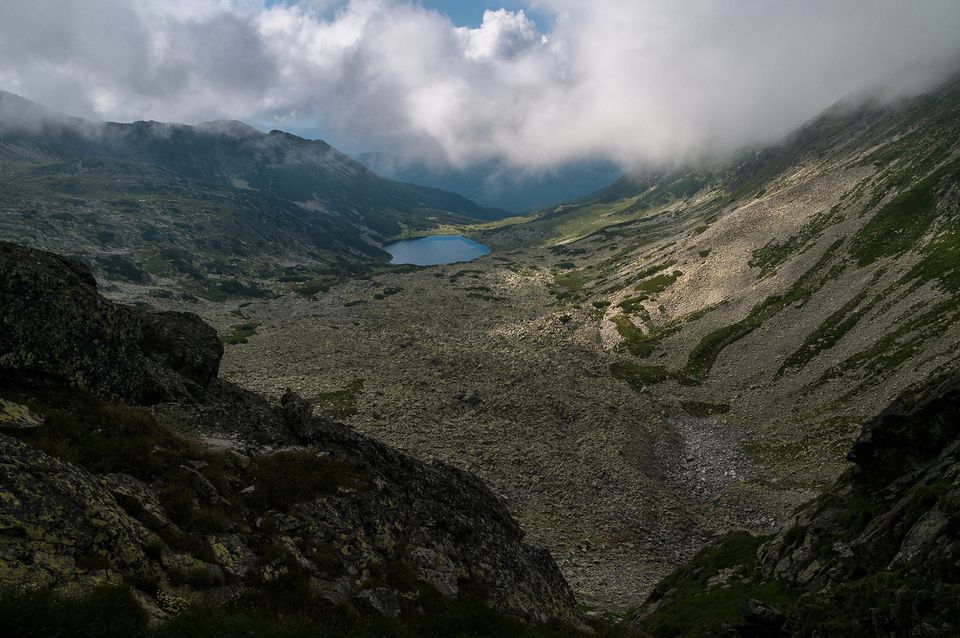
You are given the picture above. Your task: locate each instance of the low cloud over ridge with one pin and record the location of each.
(629, 80)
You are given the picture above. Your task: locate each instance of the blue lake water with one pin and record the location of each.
(435, 250)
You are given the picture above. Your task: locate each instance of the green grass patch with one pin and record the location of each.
(691, 606)
(638, 376)
(339, 404)
(941, 260)
(658, 283)
(901, 223)
(315, 286)
(574, 280)
(634, 306)
(241, 333)
(635, 340)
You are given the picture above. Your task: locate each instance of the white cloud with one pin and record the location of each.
(632, 80)
(503, 34)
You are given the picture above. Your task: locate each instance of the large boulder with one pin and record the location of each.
(892, 522)
(54, 327)
(182, 342)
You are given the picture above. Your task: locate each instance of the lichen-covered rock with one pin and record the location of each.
(59, 526)
(14, 416)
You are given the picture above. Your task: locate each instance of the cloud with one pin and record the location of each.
(503, 34)
(629, 80)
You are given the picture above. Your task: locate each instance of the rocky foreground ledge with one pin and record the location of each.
(876, 555)
(125, 460)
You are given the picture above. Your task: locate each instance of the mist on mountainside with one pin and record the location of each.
(629, 82)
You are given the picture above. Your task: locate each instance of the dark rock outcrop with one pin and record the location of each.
(343, 521)
(760, 620)
(56, 328)
(183, 342)
(892, 522)
(876, 555)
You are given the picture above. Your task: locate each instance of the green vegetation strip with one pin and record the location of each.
(896, 347)
(705, 353)
(638, 376)
(833, 329)
(900, 224)
(690, 605)
(774, 254)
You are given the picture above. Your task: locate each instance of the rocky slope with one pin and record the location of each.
(691, 352)
(790, 292)
(876, 555)
(124, 459)
(218, 209)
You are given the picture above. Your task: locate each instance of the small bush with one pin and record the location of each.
(102, 437)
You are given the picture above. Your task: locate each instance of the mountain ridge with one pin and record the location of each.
(179, 204)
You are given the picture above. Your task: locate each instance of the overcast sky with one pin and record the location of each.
(534, 83)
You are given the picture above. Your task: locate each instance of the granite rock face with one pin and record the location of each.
(343, 521)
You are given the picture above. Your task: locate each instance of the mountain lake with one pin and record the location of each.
(435, 250)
